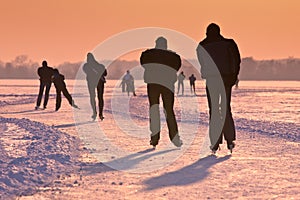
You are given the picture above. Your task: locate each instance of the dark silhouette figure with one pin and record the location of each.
(226, 58)
(161, 66)
(180, 79)
(95, 76)
(129, 82)
(45, 72)
(60, 86)
(192, 79)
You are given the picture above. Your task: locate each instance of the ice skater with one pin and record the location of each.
(161, 66)
(95, 76)
(192, 79)
(180, 80)
(60, 86)
(220, 65)
(129, 82)
(45, 72)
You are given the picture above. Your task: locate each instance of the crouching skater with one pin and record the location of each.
(60, 86)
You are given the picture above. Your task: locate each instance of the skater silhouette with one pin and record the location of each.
(95, 76)
(129, 83)
(161, 66)
(192, 79)
(60, 86)
(180, 79)
(226, 64)
(45, 72)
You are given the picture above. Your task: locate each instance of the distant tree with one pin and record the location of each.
(20, 60)
(9, 69)
(69, 69)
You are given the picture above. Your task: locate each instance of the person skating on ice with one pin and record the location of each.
(45, 72)
(220, 65)
(180, 80)
(161, 66)
(192, 79)
(60, 86)
(95, 76)
(129, 83)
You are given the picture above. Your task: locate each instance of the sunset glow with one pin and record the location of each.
(66, 30)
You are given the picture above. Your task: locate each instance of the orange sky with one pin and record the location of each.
(65, 30)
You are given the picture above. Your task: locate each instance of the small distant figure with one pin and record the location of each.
(192, 79)
(180, 79)
(220, 65)
(45, 72)
(60, 86)
(123, 85)
(95, 76)
(237, 83)
(161, 66)
(129, 82)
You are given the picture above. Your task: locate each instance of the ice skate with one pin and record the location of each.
(230, 147)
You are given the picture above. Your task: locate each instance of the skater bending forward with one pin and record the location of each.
(60, 86)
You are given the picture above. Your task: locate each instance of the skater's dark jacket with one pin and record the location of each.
(192, 79)
(161, 56)
(95, 72)
(160, 66)
(58, 80)
(224, 53)
(45, 74)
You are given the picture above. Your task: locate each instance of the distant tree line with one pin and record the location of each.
(284, 69)
(24, 68)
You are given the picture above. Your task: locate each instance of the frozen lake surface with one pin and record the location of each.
(40, 148)
(267, 106)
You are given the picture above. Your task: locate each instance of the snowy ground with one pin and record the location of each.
(64, 155)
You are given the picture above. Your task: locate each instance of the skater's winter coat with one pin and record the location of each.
(160, 66)
(224, 53)
(95, 72)
(45, 73)
(60, 86)
(59, 81)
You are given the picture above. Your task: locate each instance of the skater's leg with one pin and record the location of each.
(168, 103)
(58, 99)
(133, 89)
(48, 86)
(92, 93)
(208, 101)
(215, 122)
(229, 128)
(127, 88)
(40, 96)
(68, 97)
(194, 88)
(153, 91)
(100, 92)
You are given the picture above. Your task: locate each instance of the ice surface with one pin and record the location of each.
(36, 146)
